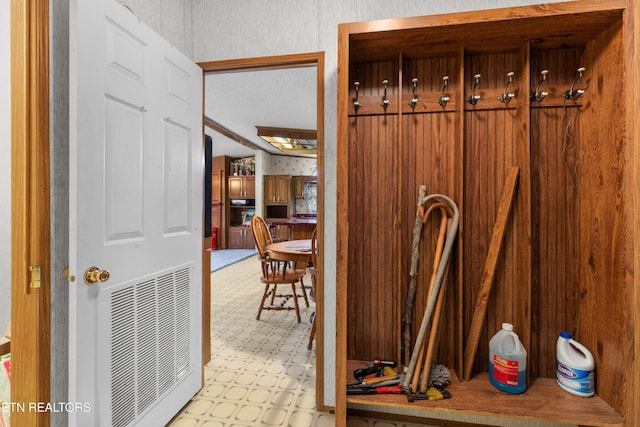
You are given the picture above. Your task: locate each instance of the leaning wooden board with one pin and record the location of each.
(488, 274)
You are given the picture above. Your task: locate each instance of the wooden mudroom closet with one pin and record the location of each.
(556, 97)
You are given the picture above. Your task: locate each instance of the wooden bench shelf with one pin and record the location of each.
(544, 400)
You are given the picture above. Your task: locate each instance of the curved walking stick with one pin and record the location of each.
(421, 217)
(433, 335)
(446, 254)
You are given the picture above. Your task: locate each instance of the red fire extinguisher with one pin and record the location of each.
(214, 238)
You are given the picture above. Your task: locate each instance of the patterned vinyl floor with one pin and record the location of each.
(261, 373)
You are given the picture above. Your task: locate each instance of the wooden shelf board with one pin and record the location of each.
(483, 31)
(544, 400)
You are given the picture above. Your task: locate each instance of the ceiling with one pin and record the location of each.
(241, 100)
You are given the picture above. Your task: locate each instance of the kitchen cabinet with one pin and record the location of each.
(242, 187)
(216, 216)
(241, 238)
(216, 222)
(298, 185)
(277, 189)
(461, 125)
(217, 180)
(280, 232)
(220, 198)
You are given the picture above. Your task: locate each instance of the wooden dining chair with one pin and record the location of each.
(312, 269)
(275, 273)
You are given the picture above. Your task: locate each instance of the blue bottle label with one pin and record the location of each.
(575, 379)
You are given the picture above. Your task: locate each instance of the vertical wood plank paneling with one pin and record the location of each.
(565, 262)
(426, 153)
(372, 148)
(428, 138)
(490, 140)
(554, 211)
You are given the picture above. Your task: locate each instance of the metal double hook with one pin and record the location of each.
(414, 99)
(507, 96)
(474, 97)
(356, 103)
(385, 100)
(538, 95)
(444, 98)
(571, 94)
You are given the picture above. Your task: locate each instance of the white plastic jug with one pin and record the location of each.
(575, 366)
(507, 361)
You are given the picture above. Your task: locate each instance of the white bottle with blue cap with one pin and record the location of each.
(575, 366)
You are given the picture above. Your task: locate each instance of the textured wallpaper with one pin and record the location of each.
(170, 18)
(287, 165)
(59, 128)
(221, 29)
(5, 167)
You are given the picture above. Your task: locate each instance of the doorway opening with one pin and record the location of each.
(289, 62)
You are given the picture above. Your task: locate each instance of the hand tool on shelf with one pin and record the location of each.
(385, 380)
(396, 389)
(377, 369)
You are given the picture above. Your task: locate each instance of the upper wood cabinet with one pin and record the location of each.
(242, 187)
(550, 89)
(298, 185)
(277, 189)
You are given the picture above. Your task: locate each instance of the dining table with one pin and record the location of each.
(291, 250)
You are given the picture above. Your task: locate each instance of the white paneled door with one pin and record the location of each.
(136, 172)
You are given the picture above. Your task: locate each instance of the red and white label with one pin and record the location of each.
(505, 371)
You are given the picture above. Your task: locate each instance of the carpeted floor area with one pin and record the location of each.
(225, 257)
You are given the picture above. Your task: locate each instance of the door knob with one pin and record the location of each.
(95, 274)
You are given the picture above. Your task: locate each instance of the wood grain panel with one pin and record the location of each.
(490, 138)
(555, 237)
(632, 133)
(371, 185)
(602, 318)
(30, 222)
(546, 27)
(371, 90)
(428, 147)
(569, 248)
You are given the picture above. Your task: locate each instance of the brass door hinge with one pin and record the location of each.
(34, 276)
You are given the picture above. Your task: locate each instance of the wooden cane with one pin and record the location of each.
(411, 289)
(433, 336)
(422, 216)
(448, 248)
(437, 256)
